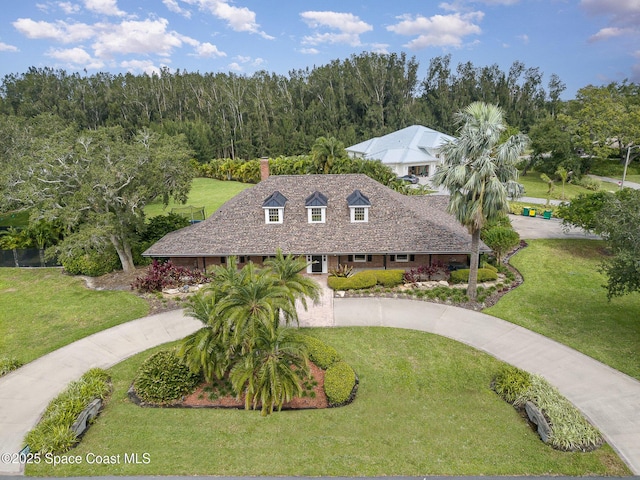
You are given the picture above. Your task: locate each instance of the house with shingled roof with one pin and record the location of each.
(329, 219)
(414, 150)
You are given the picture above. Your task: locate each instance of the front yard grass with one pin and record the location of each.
(205, 192)
(535, 187)
(424, 407)
(42, 310)
(562, 298)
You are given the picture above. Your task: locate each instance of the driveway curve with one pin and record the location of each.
(607, 397)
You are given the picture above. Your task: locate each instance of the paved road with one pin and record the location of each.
(635, 186)
(537, 227)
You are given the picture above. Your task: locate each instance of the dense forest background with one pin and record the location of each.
(224, 115)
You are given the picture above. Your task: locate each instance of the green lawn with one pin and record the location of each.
(424, 407)
(205, 192)
(535, 187)
(42, 310)
(562, 298)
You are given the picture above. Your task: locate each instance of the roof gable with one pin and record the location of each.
(275, 200)
(316, 199)
(357, 199)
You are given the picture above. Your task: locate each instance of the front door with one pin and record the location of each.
(317, 264)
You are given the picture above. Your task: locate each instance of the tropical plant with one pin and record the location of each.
(13, 239)
(287, 273)
(327, 152)
(273, 372)
(477, 171)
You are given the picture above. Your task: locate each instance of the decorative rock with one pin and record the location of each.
(536, 416)
(443, 283)
(341, 293)
(85, 417)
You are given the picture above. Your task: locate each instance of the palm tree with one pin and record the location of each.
(273, 372)
(206, 350)
(327, 152)
(478, 171)
(287, 272)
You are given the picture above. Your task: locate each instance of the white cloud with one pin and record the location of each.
(309, 51)
(438, 30)
(136, 66)
(240, 19)
(174, 6)
(349, 28)
(104, 7)
(135, 37)
(524, 38)
(208, 50)
(234, 66)
(381, 48)
(69, 8)
(75, 57)
(59, 31)
(623, 17)
(5, 47)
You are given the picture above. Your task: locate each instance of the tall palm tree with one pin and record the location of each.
(287, 272)
(478, 171)
(273, 372)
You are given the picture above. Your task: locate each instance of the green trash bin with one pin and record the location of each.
(547, 214)
(525, 211)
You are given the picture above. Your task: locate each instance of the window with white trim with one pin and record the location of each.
(359, 257)
(316, 214)
(402, 257)
(359, 214)
(273, 215)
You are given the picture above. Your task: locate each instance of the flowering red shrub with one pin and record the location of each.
(163, 275)
(425, 272)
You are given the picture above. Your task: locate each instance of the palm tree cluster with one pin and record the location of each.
(247, 315)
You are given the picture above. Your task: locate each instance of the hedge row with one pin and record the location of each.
(320, 353)
(484, 275)
(163, 378)
(367, 279)
(53, 434)
(570, 430)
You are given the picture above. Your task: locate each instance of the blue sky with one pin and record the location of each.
(583, 41)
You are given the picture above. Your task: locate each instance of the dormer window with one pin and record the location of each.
(316, 204)
(273, 208)
(359, 207)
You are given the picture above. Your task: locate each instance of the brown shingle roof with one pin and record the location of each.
(397, 223)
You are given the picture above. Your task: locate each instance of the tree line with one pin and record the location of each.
(225, 115)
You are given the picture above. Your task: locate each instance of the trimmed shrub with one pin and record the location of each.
(389, 278)
(358, 281)
(320, 353)
(511, 383)
(92, 263)
(462, 276)
(501, 240)
(163, 378)
(8, 365)
(53, 433)
(339, 380)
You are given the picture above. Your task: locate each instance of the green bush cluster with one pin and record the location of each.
(320, 353)
(8, 365)
(53, 433)
(511, 382)
(367, 279)
(570, 431)
(484, 275)
(92, 262)
(163, 378)
(339, 380)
